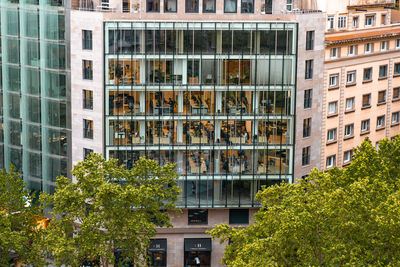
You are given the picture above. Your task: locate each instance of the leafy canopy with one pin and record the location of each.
(347, 216)
(107, 208)
(20, 234)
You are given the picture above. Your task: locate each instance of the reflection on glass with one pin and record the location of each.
(209, 6)
(153, 6)
(170, 6)
(192, 6)
(230, 6)
(247, 6)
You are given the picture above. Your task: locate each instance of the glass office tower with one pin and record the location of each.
(217, 99)
(34, 90)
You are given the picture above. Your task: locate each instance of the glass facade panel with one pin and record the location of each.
(201, 95)
(34, 93)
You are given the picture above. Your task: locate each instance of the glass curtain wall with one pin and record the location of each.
(216, 99)
(34, 92)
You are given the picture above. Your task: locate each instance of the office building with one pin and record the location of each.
(35, 90)
(209, 86)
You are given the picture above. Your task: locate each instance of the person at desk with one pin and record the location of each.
(170, 102)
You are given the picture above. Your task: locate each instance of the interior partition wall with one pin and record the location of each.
(34, 101)
(217, 99)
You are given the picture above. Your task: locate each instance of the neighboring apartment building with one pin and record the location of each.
(212, 86)
(209, 86)
(35, 89)
(361, 84)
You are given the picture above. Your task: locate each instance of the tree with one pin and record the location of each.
(348, 216)
(20, 235)
(109, 208)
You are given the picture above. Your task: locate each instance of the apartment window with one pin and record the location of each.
(368, 74)
(267, 6)
(192, 6)
(88, 129)
(395, 117)
(334, 52)
(383, 71)
(380, 121)
(289, 5)
(364, 126)
(381, 97)
(368, 48)
(355, 22)
(396, 93)
(208, 6)
(229, 6)
(349, 130)
(366, 100)
(332, 108)
(305, 159)
(396, 68)
(351, 77)
(307, 127)
(309, 69)
(87, 99)
(383, 20)
(397, 43)
(198, 216)
(352, 50)
(331, 22)
(86, 39)
(247, 6)
(310, 40)
(347, 155)
(369, 20)
(308, 98)
(331, 135)
(383, 45)
(170, 6)
(330, 161)
(238, 216)
(342, 21)
(349, 103)
(153, 5)
(87, 69)
(333, 80)
(86, 152)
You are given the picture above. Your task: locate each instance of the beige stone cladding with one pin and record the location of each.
(93, 21)
(309, 22)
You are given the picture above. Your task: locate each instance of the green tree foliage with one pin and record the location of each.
(348, 216)
(108, 207)
(20, 236)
